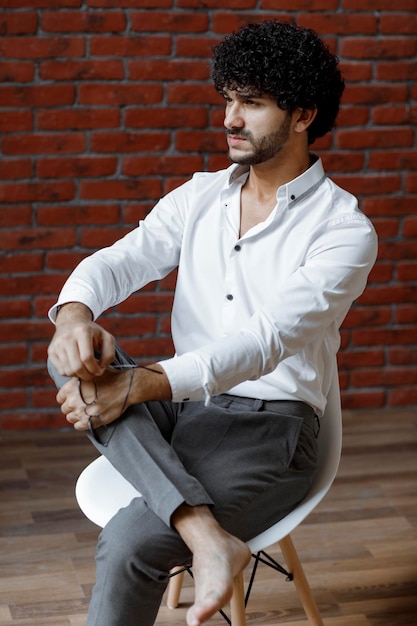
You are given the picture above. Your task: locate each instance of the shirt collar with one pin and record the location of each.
(296, 189)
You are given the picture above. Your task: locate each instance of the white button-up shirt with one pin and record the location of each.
(256, 315)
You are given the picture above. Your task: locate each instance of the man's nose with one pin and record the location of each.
(233, 116)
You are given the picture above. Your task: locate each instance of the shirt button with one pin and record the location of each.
(293, 197)
(238, 248)
(229, 296)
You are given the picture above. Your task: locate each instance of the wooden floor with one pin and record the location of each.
(359, 548)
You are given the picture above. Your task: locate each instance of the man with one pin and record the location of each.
(221, 438)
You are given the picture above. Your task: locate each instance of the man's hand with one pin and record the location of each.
(102, 399)
(80, 347)
(96, 391)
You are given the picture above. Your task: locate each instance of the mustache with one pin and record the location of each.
(243, 134)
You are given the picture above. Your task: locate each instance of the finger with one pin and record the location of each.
(107, 350)
(90, 363)
(60, 397)
(99, 351)
(58, 356)
(63, 354)
(71, 418)
(81, 360)
(55, 358)
(67, 390)
(77, 423)
(75, 412)
(81, 424)
(68, 363)
(77, 353)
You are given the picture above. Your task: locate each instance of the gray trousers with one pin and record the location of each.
(250, 461)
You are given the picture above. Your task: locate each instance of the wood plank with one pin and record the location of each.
(358, 547)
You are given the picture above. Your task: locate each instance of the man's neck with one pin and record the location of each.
(265, 179)
(259, 192)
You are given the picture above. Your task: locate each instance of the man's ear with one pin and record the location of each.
(303, 118)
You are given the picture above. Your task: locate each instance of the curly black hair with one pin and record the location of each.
(289, 63)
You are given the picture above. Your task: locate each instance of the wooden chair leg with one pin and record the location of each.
(237, 603)
(294, 566)
(174, 587)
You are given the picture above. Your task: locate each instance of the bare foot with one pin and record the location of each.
(214, 569)
(218, 558)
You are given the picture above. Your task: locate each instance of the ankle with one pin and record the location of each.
(194, 523)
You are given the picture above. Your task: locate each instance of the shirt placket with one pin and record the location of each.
(230, 313)
(231, 207)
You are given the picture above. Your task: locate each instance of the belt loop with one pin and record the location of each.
(258, 405)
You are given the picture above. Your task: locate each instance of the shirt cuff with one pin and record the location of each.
(215, 368)
(83, 296)
(185, 378)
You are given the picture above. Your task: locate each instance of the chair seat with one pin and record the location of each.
(101, 491)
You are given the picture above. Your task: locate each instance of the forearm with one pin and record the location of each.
(150, 383)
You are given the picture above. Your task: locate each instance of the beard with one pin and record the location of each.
(264, 148)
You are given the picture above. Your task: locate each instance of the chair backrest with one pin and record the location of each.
(330, 448)
(101, 490)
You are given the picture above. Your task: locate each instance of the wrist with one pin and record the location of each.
(149, 384)
(73, 311)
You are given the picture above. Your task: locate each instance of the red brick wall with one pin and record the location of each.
(108, 105)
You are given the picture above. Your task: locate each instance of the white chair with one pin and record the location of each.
(101, 491)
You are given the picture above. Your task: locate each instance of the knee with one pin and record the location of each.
(147, 545)
(121, 555)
